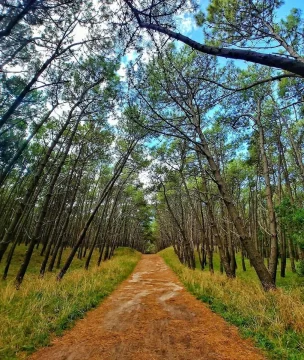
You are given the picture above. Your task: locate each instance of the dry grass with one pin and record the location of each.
(274, 319)
(43, 306)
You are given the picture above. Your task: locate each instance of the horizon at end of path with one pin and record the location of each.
(150, 316)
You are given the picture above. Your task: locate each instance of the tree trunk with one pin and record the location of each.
(118, 169)
(43, 212)
(255, 258)
(273, 257)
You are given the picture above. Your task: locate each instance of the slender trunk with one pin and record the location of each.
(49, 243)
(63, 230)
(255, 258)
(60, 255)
(118, 169)
(273, 258)
(283, 254)
(13, 161)
(295, 148)
(34, 240)
(16, 19)
(188, 251)
(243, 259)
(213, 223)
(291, 254)
(57, 53)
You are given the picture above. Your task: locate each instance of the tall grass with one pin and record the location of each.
(43, 307)
(290, 280)
(275, 320)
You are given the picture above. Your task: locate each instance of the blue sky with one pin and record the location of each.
(187, 25)
(289, 4)
(282, 12)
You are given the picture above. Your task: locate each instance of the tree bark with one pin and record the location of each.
(273, 257)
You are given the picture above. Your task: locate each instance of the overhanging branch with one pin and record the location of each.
(276, 61)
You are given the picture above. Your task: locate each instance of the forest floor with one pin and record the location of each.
(151, 316)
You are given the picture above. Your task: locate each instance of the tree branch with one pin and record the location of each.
(291, 65)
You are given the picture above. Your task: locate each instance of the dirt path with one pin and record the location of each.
(150, 317)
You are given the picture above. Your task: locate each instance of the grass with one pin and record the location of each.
(291, 280)
(275, 320)
(43, 308)
(35, 263)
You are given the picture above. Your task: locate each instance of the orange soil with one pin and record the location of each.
(151, 317)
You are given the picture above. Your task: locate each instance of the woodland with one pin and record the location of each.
(120, 129)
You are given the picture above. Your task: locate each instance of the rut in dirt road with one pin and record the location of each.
(151, 317)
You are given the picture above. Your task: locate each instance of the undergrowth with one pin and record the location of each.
(44, 307)
(275, 320)
(291, 280)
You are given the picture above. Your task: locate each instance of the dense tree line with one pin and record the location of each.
(233, 175)
(68, 179)
(228, 165)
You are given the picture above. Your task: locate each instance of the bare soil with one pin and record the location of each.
(151, 317)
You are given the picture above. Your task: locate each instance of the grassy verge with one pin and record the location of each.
(43, 307)
(275, 320)
(290, 280)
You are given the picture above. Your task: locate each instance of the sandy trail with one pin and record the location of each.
(150, 317)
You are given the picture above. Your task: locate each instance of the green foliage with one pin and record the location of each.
(200, 18)
(239, 21)
(293, 20)
(292, 217)
(150, 248)
(134, 122)
(300, 268)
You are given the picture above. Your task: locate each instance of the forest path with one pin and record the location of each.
(150, 317)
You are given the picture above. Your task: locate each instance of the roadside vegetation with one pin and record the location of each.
(44, 307)
(291, 279)
(119, 129)
(273, 319)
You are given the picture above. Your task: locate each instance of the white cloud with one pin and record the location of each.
(131, 55)
(112, 120)
(145, 178)
(122, 72)
(80, 33)
(146, 56)
(185, 23)
(61, 109)
(113, 117)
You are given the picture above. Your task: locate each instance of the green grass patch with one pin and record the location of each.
(289, 281)
(274, 320)
(35, 263)
(44, 307)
